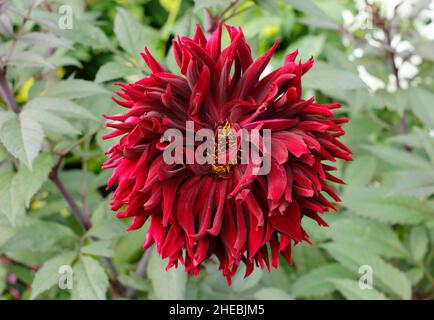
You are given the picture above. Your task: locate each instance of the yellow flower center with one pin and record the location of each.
(226, 140)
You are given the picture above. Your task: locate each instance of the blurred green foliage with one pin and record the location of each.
(375, 57)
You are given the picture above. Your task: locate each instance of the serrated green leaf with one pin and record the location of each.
(310, 45)
(132, 36)
(399, 158)
(62, 107)
(112, 71)
(52, 123)
(351, 291)
(91, 280)
(369, 235)
(52, 114)
(326, 77)
(11, 203)
(104, 224)
(45, 40)
(28, 59)
(48, 275)
(418, 243)
(385, 275)
(22, 136)
(40, 237)
(28, 182)
(170, 284)
(315, 282)
(376, 203)
(417, 183)
(74, 89)
(85, 33)
(135, 282)
(360, 172)
(99, 248)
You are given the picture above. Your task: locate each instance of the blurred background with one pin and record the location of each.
(58, 63)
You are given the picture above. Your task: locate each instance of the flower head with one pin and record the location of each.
(223, 209)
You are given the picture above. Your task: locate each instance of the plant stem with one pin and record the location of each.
(84, 186)
(403, 127)
(82, 218)
(7, 92)
(26, 18)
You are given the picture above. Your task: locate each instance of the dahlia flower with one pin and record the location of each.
(224, 210)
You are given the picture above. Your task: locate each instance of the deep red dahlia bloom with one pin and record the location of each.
(197, 211)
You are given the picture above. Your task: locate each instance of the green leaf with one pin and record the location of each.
(22, 137)
(45, 40)
(385, 275)
(308, 46)
(414, 275)
(266, 5)
(17, 189)
(11, 202)
(51, 113)
(104, 225)
(359, 172)
(421, 105)
(52, 123)
(91, 280)
(315, 283)
(62, 107)
(29, 182)
(308, 257)
(170, 284)
(418, 243)
(6, 232)
(41, 237)
(269, 293)
(376, 203)
(417, 183)
(85, 33)
(399, 158)
(203, 4)
(369, 235)
(99, 248)
(240, 284)
(351, 291)
(396, 101)
(327, 78)
(6, 27)
(308, 7)
(131, 35)
(5, 116)
(74, 89)
(28, 59)
(114, 70)
(135, 282)
(48, 275)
